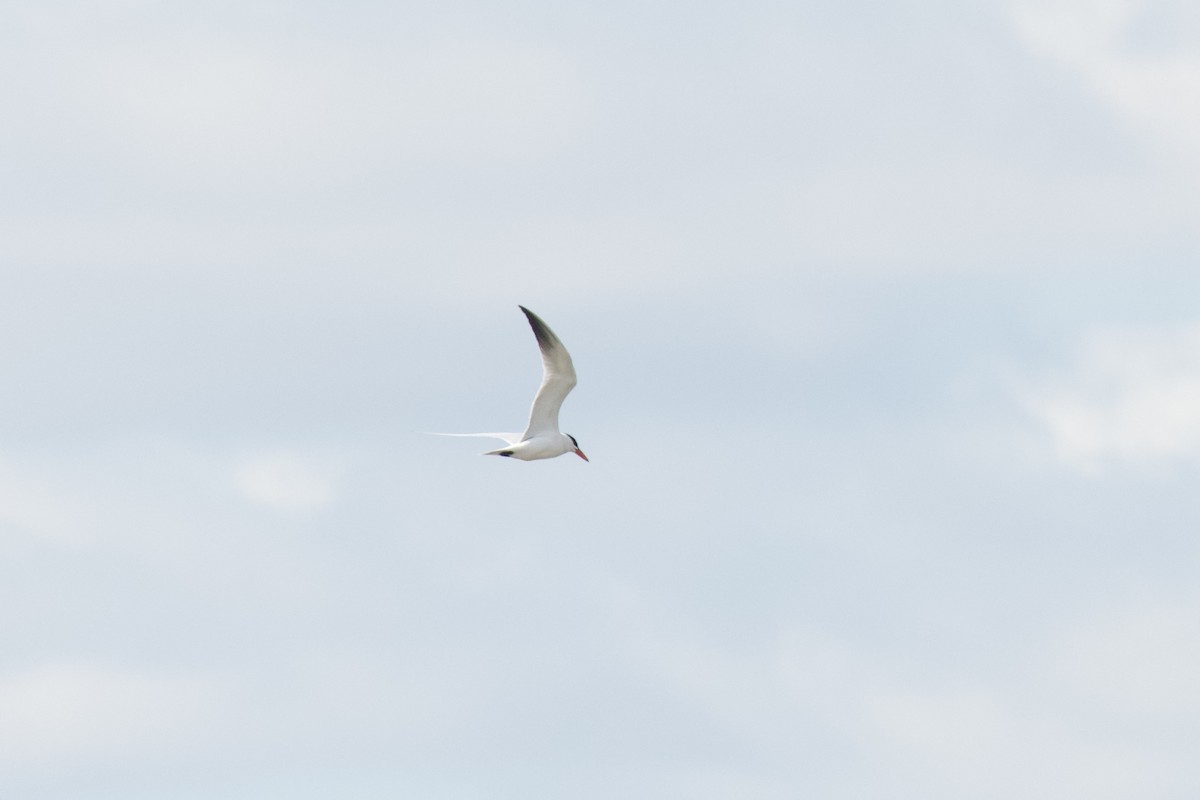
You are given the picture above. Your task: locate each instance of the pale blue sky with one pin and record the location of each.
(889, 373)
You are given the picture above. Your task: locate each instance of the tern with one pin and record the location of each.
(542, 438)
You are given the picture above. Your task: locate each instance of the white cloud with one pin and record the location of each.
(242, 104)
(962, 727)
(34, 507)
(1132, 396)
(198, 105)
(71, 710)
(288, 482)
(954, 214)
(978, 743)
(1155, 90)
(1142, 661)
(980, 739)
(316, 108)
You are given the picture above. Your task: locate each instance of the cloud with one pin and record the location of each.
(202, 105)
(80, 710)
(304, 106)
(1133, 396)
(1142, 661)
(1155, 89)
(979, 743)
(35, 507)
(960, 725)
(287, 482)
(944, 738)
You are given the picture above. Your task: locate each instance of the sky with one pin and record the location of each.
(889, 373)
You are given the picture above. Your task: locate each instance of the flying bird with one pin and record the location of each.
(542, 438)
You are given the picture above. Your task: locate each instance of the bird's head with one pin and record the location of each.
(575, 446)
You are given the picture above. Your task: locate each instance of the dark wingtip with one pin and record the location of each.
(541, 330)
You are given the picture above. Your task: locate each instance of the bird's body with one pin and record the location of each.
(541, 438)
(539, 447)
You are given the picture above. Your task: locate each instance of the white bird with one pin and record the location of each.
(542, 438)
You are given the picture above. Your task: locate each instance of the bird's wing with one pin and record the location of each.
(558, 378)
(507, 438)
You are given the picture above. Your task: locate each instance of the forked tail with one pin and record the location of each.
(507, 438)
